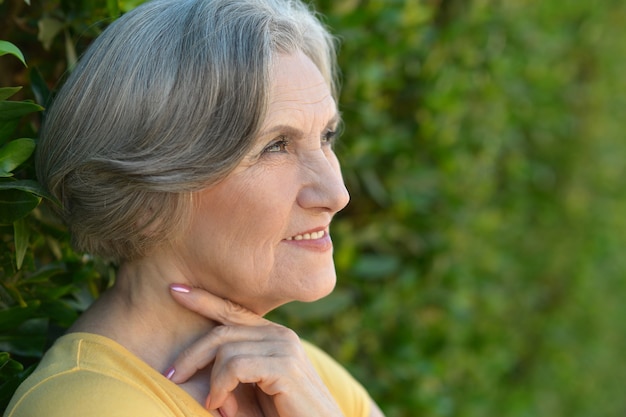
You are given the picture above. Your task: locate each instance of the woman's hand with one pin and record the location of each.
(248, 349)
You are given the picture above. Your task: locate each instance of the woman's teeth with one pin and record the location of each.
(308, 236)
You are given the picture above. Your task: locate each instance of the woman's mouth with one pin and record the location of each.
(316, 240)
(308, 236)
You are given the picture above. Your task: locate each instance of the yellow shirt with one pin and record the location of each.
(87, 375)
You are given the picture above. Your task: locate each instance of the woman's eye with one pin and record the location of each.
(278, 146)
(328, 138)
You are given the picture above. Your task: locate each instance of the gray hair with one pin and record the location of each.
(166, 102)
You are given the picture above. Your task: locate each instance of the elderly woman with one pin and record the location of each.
(193, 145)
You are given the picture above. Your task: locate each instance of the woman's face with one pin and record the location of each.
(261, 236)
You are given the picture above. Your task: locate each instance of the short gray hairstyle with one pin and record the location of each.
(164, 103)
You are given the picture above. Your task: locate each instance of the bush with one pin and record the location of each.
(479, 259)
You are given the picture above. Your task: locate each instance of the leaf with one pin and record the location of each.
(43, 275)
(15, 204)
(13, 154)
(7, 127)
(12, 293)
(39, 87)
(30, 186)
(49, 28)
(20, 236)
(59, 312)
(14, 317)
(27, 339)
(8, 366)
(10, 110)
(6, 92)
(54, 292)
(9, 48)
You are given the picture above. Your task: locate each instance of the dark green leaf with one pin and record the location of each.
(8, 366)
(15, 204)
(7, 128)
(13, 317)
(6, 92)
(9, 48)
(28, 339)
(54, 292)
(43, 275)
(39, 87)
(14, 153)
(59, 312)
(30, 186)
(9, 110)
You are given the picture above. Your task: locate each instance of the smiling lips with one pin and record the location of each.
(317, 241)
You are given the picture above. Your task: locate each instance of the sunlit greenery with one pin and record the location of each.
(479, 260)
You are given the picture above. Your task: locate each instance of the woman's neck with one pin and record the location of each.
(139, 313)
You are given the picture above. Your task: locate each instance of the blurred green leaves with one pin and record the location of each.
(479, 262)
(17, 197)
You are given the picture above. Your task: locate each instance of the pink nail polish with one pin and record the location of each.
(170, 373)
(181, 288)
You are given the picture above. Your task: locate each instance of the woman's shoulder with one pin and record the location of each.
(347, 391)
(85, 374)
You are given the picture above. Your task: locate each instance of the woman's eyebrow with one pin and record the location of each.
(295, 132)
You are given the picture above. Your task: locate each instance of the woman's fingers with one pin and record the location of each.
(241, 333)
(215, 308)
(229, 407)
(239, 341)
(228, 375)
(277, 366)
(287, 385)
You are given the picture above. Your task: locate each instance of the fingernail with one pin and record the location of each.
(170, 373)
(223, 414)
(182, 288)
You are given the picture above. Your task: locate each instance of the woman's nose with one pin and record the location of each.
(323, 187)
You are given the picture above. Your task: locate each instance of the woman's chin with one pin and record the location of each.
(313, 289)
(321, 290)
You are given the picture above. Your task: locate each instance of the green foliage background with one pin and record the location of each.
(480, 268)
